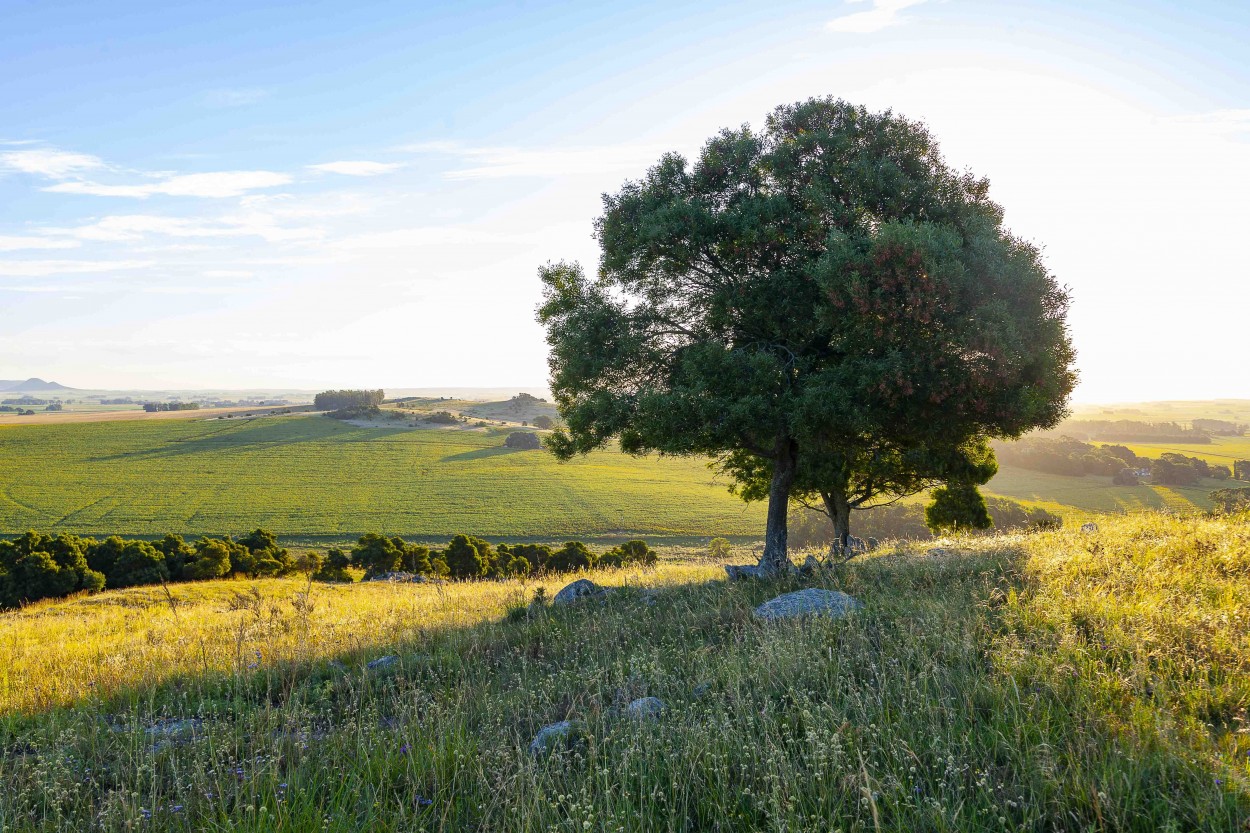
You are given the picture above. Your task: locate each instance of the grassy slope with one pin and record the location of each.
(1054, 682)
(316, 476)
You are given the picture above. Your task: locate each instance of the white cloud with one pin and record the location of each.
(49, 162)
(546, 163)
(882, 14)
(218, 184)
(357, 167)
(1229, 123)
(49, 268)
(133, 227)
(10, 243)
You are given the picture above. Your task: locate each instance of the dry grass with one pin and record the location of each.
(1057, 682)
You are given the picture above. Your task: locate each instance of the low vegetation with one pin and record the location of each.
(35, 566)
(1042, 682)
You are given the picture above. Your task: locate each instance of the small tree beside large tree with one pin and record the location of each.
(824, 307)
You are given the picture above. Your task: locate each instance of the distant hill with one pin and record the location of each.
(31, 384)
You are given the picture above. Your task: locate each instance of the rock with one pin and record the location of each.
(744, 571)
(856, 545)
(873, 543)
(580, 589)
(809, 602)
(564, 736)
(381, 662)
(175, 728)
(810, 565)
(645, 708)
(939, 552)
(400, 578)
(1089, 528)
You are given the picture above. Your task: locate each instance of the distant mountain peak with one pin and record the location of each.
(31, 384)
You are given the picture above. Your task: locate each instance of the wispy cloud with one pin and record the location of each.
(504, 162)
(47, 268)
(357, 168)
(217, 184)
(49, 162)
(1220, 122)
(10, 243)
(235, 97)
(884, 13)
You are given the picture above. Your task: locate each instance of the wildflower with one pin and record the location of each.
(422, 801)
(403, 750)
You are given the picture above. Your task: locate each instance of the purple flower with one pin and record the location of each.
(403, 750)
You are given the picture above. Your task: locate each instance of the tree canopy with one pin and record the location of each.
(822, 305)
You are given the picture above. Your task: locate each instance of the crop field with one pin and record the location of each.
(1221, 450)
(1074, 497)
(318, 477)
(1044, 682)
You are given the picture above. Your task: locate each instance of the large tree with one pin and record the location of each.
(803, 300)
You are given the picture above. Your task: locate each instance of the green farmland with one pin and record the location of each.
(320, 478)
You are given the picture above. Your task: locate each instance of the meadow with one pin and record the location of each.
(314, 477)
(1058, 681)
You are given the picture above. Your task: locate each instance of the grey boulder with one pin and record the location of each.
(809, 602)
(583, 588)
(558, 737)
(1089, 528)
(645, 708)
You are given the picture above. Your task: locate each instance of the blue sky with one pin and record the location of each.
(326, 194)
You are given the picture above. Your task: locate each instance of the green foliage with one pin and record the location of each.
(571, 557)
(824, 302)
(377, 554)
(356, 412)
(258, 554)
(35, 566)
(523, 440)
(537, 556)
(718, 547)
(544, 422)
(469, 557)
(628, 554)
(1228, 501)
(211, 559)
(333, 400)
(957, 506)
(334, 568)
(177, 553)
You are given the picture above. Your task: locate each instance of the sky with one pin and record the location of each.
(312, 195)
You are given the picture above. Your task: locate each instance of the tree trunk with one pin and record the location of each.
(776, 559)
(838, 508)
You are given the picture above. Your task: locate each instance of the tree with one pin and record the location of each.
(469, 557)
(824, 296)
(211, 559)
(334, 568)
(377, 554)
(523, 440)
(956, 507)
(544, 422)
(571, 557)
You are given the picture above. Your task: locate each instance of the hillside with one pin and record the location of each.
(1060, 681)
(312, 476)
(31, 385)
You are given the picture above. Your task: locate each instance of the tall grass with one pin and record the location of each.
(1051, 682)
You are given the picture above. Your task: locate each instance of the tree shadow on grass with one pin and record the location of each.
(480, 454)
(250, 436)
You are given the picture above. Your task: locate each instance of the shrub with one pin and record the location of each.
(628, 554)
(469, 557)
(523, 440)
(718, 547)
(957, 507)
(177, 553)
(356, 412)
(211, 558)
(442, 418)
(544, 422)
(263, 556)
(1125, 477)
(571, 557)
(334, 568)
(535, 555)
(1228, 501)
(377, 554)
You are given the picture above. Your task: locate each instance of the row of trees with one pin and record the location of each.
(35, 566)
(468, 557)
(1073, 458)
(1133, 431)
(333, 400)
(154, 407)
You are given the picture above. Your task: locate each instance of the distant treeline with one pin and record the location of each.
(1220, 427)
(906, 521)
(1073, 458)
(154, 407)
(35, 566)
(333, 400)
(1130, 431)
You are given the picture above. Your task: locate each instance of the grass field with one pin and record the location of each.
(1055, 682)
(313, 476)
(1076, 497)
